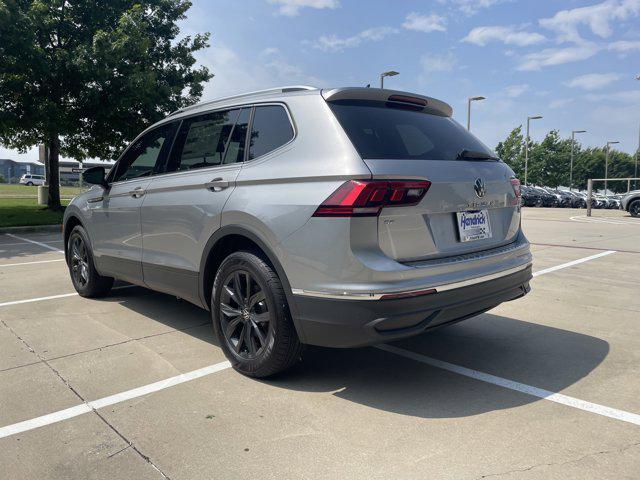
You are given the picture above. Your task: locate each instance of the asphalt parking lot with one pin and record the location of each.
(134, 385)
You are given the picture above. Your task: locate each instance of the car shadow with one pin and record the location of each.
(531, 353)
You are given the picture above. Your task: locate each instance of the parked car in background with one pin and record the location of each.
(341, 218)
(531, 197)
(613, 203)
(576, 200)
(631, 203)
(565, 198)
(548, 200)
(30, 179)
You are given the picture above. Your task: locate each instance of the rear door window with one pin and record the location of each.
(203, 140)
(379, 131)
(270, 129)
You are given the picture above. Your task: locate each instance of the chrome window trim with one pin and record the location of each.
(216, 167)
(438, 289)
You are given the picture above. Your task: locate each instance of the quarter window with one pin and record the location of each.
(270, 129)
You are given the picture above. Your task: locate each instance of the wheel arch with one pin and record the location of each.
(633, 199)
(69, 224)
(234, 238)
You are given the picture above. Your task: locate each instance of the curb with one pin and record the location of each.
(32, 229)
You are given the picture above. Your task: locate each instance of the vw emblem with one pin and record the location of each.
(478, 186)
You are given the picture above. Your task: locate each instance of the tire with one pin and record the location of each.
(256, 333)
(29, 184)
(86, 280)
(634, 208)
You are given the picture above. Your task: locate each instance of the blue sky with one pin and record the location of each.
(574, 62)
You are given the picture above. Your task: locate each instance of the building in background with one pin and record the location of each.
(12, 170)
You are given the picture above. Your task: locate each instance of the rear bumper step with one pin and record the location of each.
(409, 293)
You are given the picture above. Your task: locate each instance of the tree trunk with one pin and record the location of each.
(53, 173)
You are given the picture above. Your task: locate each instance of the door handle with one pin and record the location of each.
(217, 184)
(137, 192)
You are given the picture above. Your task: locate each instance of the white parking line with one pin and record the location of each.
(517, 386)
(31, 263)
(460, 370)
(572, 263)
(53, 297)
(44, 245)
(110, 400)
(27, 243)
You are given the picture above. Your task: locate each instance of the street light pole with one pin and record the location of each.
(390, 73)
(573, 142)
(606, 164)
(635, 174)
(526, 148)
(469, 100)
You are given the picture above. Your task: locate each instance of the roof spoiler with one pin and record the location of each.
(428, 104)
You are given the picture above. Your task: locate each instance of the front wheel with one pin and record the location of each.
(29, 184)
(634, 208)
(251, 317)
(86, 280)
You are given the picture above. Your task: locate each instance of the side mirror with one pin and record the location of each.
(95, 176)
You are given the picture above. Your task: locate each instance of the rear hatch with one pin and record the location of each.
(471, 204)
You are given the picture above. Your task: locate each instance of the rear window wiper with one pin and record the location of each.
(474, 155)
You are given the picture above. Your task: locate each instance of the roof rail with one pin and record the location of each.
(286, 89)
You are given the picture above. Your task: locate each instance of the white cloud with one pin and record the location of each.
(238, 74)
(514, 91)
(560, 102)
(508, 35)
(333, 43)
(624, 46)
(597, 18)
(593, 81)
(425, 23)
(557, 56)
(445, 62)
(625, 96)
(471, 7)
(291, 8)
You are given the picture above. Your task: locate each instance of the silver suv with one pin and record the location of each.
(340, 218)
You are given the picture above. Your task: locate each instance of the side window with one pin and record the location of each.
(235, 150)
(202, 141)
(270, 129)
(142, 157)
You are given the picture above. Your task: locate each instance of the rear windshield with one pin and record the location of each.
(380, 131)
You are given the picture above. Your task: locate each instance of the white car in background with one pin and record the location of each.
(29, 179)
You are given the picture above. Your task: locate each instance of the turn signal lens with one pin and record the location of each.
(366, 198)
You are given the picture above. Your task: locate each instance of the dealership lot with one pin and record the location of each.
(134, 386)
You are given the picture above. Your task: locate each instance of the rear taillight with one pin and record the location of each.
(365, 198)
(515, 183)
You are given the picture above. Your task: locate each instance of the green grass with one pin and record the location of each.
(6, 189)
(19, 212)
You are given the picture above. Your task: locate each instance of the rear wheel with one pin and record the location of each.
(251, 317)
(86, 280)
(634, 208)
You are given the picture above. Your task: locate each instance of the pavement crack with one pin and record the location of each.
(129, 443)
(549, 464)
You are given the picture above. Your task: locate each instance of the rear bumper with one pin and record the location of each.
(331, 322)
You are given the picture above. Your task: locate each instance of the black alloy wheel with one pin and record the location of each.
(244, 315)
(79, 260)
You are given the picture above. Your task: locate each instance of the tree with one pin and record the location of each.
(511, 151)
(84, 77)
